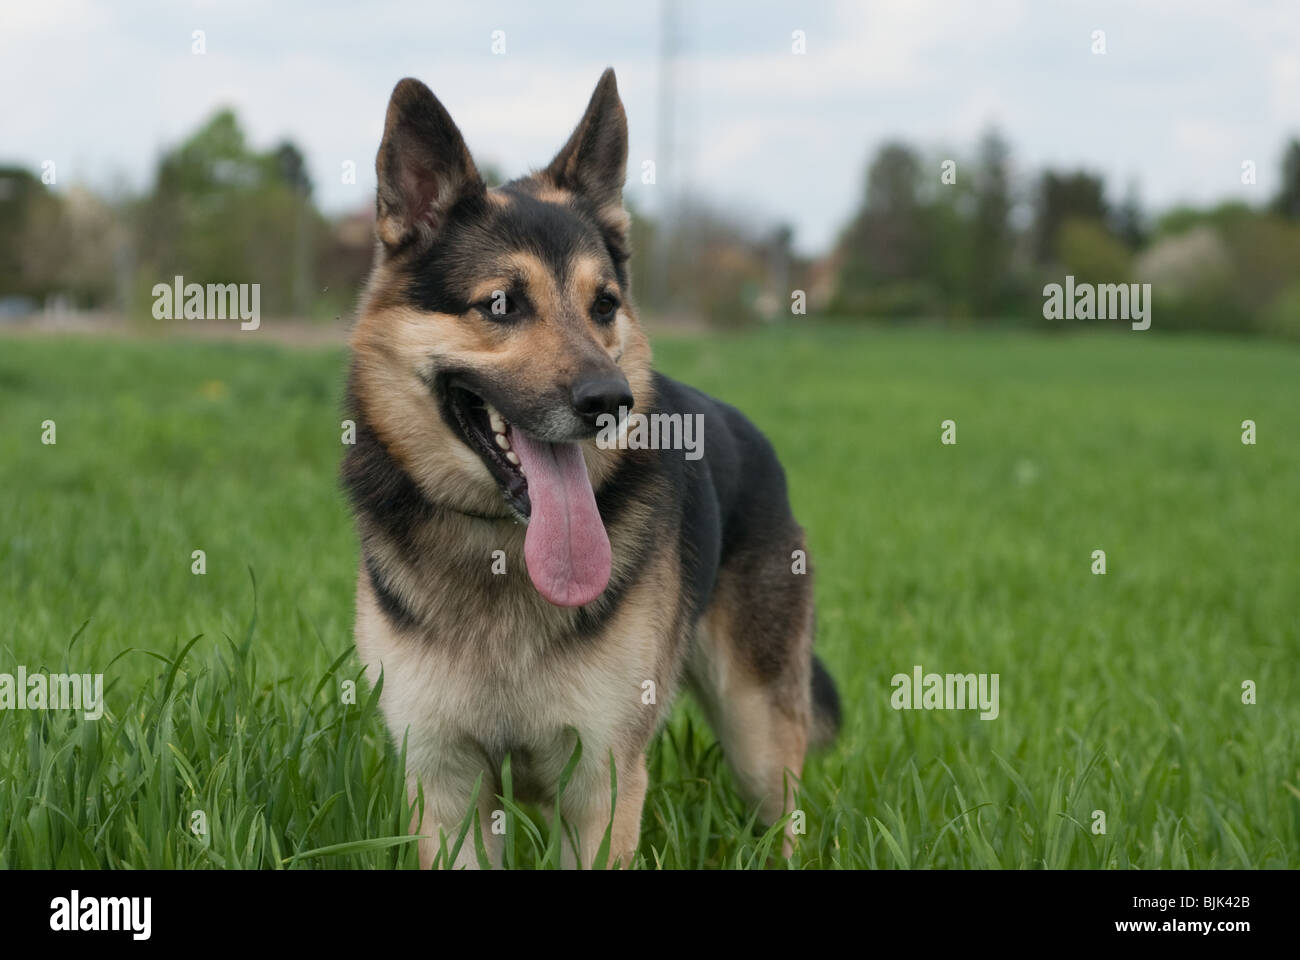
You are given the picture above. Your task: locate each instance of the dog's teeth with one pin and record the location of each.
(498, 422)
(512, 457)
(502, 441)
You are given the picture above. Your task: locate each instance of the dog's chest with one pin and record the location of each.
(501, 690)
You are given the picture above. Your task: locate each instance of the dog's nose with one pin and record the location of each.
(602, 393)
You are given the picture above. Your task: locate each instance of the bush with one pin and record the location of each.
(1092, 254)
(1282, 316)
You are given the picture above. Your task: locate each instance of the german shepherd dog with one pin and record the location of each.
(522, 584)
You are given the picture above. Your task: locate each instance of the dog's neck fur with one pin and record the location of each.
(432, 567)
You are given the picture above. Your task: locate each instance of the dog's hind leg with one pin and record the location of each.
(764, 736)
(752, 671)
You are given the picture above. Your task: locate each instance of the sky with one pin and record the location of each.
(1185, 92)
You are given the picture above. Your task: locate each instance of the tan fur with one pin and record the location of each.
(547, 192)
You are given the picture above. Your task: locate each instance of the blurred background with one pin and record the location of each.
(913, 173)
(908, 162)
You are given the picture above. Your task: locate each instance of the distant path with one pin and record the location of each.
(289, 331)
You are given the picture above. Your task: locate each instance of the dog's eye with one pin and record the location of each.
(605, 308)
(499, 307)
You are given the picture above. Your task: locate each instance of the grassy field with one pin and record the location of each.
(1119, 693)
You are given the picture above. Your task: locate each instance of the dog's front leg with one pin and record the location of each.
(586, 808)
(446, 802)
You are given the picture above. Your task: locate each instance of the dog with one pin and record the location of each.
(522, 585)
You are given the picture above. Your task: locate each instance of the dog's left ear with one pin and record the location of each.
(594, 161)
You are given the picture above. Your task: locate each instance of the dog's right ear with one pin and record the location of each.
(423, 166)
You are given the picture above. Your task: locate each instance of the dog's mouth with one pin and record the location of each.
(487, 433)
(546, 484)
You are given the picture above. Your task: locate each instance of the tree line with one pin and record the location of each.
(934, 239)
(971, 241)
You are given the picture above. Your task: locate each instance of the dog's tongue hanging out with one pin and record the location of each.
(566, 547)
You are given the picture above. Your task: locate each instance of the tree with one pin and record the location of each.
(1062, 196)
(991, 233)
(907, 251)
(891, 233)
(1287, 202)
(26, 206)
(292, 167)
(220, 212)
(1129, 221)
(1091, 253)
(885, 242)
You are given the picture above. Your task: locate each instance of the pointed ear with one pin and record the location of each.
(594, 161)
(423, 167)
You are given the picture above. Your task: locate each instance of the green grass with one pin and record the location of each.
(1120, 693)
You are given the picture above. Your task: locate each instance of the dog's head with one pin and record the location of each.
(497, 330)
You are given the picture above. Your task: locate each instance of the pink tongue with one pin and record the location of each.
(566, 547)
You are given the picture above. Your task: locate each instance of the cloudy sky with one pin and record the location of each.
(1185, 92)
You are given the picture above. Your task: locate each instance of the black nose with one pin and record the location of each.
(602, 393)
